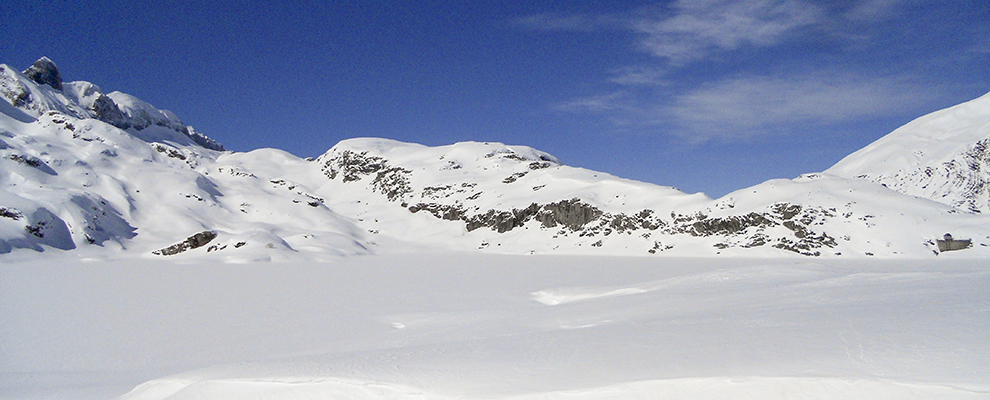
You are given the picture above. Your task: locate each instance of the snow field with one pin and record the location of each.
(486, 326)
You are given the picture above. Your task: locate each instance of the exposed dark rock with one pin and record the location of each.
(169, 151)
(44, 72)
(657, 246)
(514, 177)
(19, 98)
(786, 210)
(393, 183)
(204, 141)
(32, 162)
(797, 247)
(441, 211)
(107, 111)
(573, 214)
(215, 248)
(26, 160)
(37, 229)
(503, 221)
(10, 213)
(642, 220)
(799, 230)
(756, 240)
(435, 192)
(195, 241)
(351, 166)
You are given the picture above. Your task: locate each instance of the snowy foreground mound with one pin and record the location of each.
(470, 326)
(111, 176)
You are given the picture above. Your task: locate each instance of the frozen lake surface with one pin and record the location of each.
(469, 326)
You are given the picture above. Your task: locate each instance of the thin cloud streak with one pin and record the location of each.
(755, 106)
(699, 28)
(640, 76)
(871, 10)
(615, 101)
(772, 96)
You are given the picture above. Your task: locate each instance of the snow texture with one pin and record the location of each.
(476, 326)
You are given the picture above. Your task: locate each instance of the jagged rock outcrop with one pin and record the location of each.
(193, 242)
(44, 72)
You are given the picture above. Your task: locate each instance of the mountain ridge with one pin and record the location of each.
(118, 177)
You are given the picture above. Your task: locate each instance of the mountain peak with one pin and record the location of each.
(44, 72)
(942, 156)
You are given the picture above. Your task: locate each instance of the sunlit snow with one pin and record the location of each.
(140, 261)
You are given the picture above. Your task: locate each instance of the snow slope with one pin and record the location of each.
(475, 326)
(943, 156)
(74, 181)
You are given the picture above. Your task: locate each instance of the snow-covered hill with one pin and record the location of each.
(109, 174)
(135, 179)
(943, 156)
(513, 199)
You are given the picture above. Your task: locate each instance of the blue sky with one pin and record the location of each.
(704, 95)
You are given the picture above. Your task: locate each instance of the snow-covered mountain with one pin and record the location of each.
(40, 90)
(110, 174)
(80, 169)
(943, 156)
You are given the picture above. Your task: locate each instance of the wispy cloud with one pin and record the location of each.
(873, 9)
(697, 28)
(689, 30)
(766, 97)
(615, 101)
(751, 106)
(647, 75)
